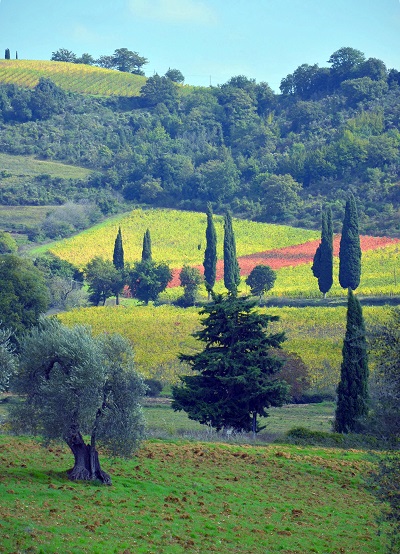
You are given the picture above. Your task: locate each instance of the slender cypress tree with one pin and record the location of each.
(350, 250)
(7, 54)
(352, 401)
(322, 267)
(210, 253)
(231, 266)
(146, 252)
(118, 255)
(118, 261)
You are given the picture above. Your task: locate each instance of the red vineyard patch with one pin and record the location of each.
(289, 256)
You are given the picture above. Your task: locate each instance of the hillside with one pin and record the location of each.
(71, 77)
(268, 157)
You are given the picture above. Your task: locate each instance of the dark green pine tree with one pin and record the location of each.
(118, 255)
(146, 251)
(118, 261)
(236, 375)
(231, 266)
(210, 253)
(322, 267)
(350, 249)
(352, 400)
(7, 54)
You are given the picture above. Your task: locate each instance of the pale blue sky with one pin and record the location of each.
(206, 39)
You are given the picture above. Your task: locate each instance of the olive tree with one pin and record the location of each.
(75, 385)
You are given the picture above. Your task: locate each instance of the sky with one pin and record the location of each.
(209, 41)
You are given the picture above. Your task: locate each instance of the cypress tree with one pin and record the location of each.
(210, 253)
(118, 255)
(352, 401)
(7, 54)
(322, 267)
(231, 266)
(350, 249)
(146, 251)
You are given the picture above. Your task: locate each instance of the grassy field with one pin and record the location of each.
(27, 166)
(178, 237)
(158, 334)
(176, 497)
(84, 79)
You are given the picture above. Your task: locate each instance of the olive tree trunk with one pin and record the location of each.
(87, 465)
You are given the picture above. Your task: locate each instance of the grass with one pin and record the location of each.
(176, 497)
(28, 166)
(14, 218)
(158, 334)
(80, 78)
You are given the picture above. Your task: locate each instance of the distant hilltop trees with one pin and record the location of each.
(7, 55)
(122, 60)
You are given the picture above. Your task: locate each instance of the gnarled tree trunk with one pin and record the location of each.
(87, 465)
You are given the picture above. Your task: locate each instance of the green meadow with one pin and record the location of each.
(178, 496)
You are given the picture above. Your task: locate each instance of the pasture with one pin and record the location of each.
(178, 496)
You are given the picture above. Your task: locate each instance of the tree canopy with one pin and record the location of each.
(236, 375)
(76, 384)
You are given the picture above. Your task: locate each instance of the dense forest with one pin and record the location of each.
(269, 157)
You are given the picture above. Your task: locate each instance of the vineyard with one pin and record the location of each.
(80, 78)
(159, 334)
(178, 238)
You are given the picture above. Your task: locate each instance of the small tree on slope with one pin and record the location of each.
(210, 253)
(231, 266)
(76, 384)
(350, 249)
(322, 267)
(236, 376)
(118, 260)
(146, 251)
(352, 400)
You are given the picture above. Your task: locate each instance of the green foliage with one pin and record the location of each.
(146, 250)
(231, 266)
(148, 279)
(159, 90)
(190, 279)
(261, 279)
(210, 253)
(118, 254)
(8, 244)
(104, 280)
(236, 376)
(175, 75)
(7, 359)
(77, 384)
(23, 294)
(322, 267)
(352, 401)
(384, 421)
(350, 250)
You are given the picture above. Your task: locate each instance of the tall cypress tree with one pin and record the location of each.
(210, 253)
(352, 401)
(118, 255)
(322, 267)
(231, 266)
(350, 249)
(146, 251)
(118, 261)
(7, 54)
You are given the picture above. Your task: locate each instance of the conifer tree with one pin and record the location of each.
(146, 251)
(118, 255)
(118, 261)
(322, 267)
(210, 253)
(350, 249)
(237, 373)
(7, 54)
(352, 401)
(231, 266)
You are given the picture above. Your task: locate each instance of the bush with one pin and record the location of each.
(154, 387)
